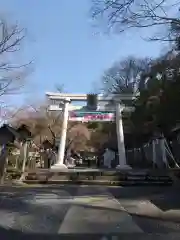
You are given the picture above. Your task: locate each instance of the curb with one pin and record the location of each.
(93, 182)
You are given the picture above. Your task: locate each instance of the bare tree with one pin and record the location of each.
(44, 124)
(121, 15)
(12, 75)
(59, 87)
(124, 76)
(78, 136)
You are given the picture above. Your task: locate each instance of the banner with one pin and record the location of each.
(99, 116)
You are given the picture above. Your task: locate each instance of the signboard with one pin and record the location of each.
(99, 116)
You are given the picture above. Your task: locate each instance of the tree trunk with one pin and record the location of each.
(25, 156)
(3, 163)
(17, 162)
(45, 157)
(25, 149)
(144, 159)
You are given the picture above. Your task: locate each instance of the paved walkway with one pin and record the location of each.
(88, 210)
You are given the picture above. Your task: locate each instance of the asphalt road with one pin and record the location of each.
(77, 212)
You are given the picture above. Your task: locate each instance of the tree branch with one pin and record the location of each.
(121, 15)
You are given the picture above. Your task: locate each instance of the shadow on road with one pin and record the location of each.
(18, 200)
(10, 234)
(165, 198)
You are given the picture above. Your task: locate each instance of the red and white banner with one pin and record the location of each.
(77, 116)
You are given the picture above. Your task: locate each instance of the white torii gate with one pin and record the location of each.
(59, 99)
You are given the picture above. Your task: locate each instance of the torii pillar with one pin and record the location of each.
(62, 144)
(120, 138)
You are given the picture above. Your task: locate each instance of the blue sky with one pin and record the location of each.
(65, 47)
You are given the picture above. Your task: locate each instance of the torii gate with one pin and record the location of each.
(59, 99)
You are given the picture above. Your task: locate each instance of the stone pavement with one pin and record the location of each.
(77, 210)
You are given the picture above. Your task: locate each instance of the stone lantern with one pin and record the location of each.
(7, 136)
(25, 137)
